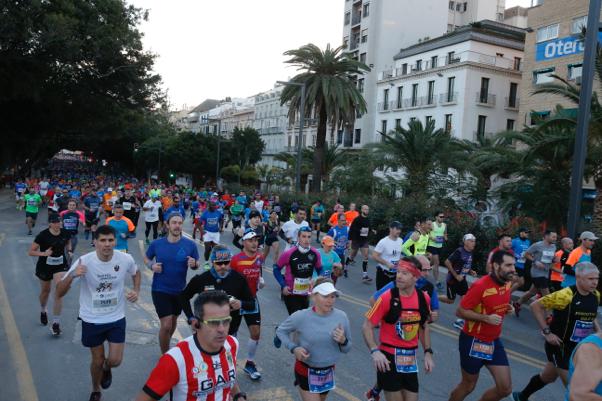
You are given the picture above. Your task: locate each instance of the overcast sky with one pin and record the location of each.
(218, 48)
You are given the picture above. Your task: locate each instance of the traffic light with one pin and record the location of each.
(171, 175)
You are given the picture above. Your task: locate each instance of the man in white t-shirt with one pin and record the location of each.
(102, 298)
(151, 216)
(387, 253)
(290, 230)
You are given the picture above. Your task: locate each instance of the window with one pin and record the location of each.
(339, 136)
(575, 71)
(499, 55)
(512, 95)
(517, 63)
(430, 96)
(397, 123)
(578, 24)
(289, 141)
(481, 125)
(383, 126)
(360, 85)
(543, 76)
(465, 6)
(313, 140)
(484, 92)
(358, 136)
(346, 42)
(428, 119)
(399, 96)
(364, 36)
(500, 16)
(347, 17)
(547, 33)
(448, 123)
(451, 57)
(451, 5)
(418, 65)
(414, 95)
(363, 58)
(366, 9)
(451, 82)
(386, 99)
(412, 119)
(434, 61)
(458, 6)
(404, 68)
(509, 125)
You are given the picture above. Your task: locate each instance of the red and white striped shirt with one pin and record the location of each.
(194, 374)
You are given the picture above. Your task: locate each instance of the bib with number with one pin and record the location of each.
(32, 202)
(547, 257)
(405, 360)
(581, 330)
(104, 302)
(439, 239)
(320, 380)
(127, 206)
(364, 231)
(54, 260)
(301, 286)
(482, 349)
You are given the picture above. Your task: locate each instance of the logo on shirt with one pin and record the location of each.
(104, 286)
(310, 257)
(116, 268)
(199, 369)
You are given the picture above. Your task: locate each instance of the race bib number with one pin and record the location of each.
(70, 224)
(547, 257)
(521, 258)
(301, 286)
(104, 302)
(32, 202)
(127, 206)
(405, 360)
(320, 380)
(364, 231)
(54, 261)
(581, 330)
(439, 239)
(482, 349)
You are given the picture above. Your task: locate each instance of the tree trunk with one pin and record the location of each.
(597, 215)
(318, 164)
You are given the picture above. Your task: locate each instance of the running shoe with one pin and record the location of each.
(516, 396)
(516, 306)
(56, 329)
(44, 318)
(459, 324)
(371, 395)
(107, 379)
(95, 396)
(366, 279)
(251, 370)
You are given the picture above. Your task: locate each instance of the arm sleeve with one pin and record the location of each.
(558, 300)
(406, 246)
(278, 276)
(163, 378)
(434, 301)
(193, 287)
(285, 329)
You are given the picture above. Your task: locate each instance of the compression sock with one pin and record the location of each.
(365, 267)
(535, 384)
(252, 349)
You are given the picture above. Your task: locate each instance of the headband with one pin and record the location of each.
(409, 266)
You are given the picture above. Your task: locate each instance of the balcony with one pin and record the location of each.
(485, 99)
(354, 45)
(481, 58)
(356, 19)
(511, 103)
(448, 98)
(383, 106)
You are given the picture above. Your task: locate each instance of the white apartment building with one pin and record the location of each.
(467, 81)
(271, 121)
(225, 116)
(375, 30)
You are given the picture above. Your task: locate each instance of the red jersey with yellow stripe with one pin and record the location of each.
(249, 268)
(487, 297)
(194, 374)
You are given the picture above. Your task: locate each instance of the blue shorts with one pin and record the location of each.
(472, 365)
(95, 334)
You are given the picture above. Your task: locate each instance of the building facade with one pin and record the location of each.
(466, 81)
(271, 121)
(374, 31)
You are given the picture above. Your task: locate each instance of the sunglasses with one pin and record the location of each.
(441, 217)
(222, 263)
(215, 323)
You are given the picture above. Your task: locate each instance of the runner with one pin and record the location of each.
(249, 263)
(401, 313)
(574, 317)
(358, 233)
(272, 228)
(340, 234)
(299, 263)
(290, 229)
(123, 227)
(504, 244)
(20, 188)
(459, 266)
(170, 258)
(236, 212)
(131, 208)
(102, 303)
(387, 253)
(316, 213)
(350, 214)
(437, 237)
(220, 277)
(331, 261)
(92, 203)
(72, 218)
(32, 202)
(334, 217)
(585, 371)
(321, 334)
(211, 223)
(418, 241)
(201, 367)
(44, 187)
(253, 223)
(151, 208)
(557, 270)
(581, 254)
(484, 307)
(51, 246)
(519, 247)
(258, 203)
(541, 255)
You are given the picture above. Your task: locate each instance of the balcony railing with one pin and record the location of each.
(485, 99)
(356, 19)
(354, 44)
(383, 106)
(512, 103)
(448, 98)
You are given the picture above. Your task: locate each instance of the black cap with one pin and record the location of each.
(524, 230)
(254, 213)
(54, 218)
(395, 224)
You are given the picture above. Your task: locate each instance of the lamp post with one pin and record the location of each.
(300, 137)
(583, 116)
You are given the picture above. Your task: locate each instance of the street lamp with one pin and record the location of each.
(583, 116)
(301, 124)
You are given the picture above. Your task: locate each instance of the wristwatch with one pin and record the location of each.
(429, 350)
(546, 331)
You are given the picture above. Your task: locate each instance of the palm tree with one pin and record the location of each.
(331, 93)
(422, 151)
(333, 157)
(290, 160)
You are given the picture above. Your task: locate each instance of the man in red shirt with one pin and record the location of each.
(483, 308)
(249, 264)
(402, 313)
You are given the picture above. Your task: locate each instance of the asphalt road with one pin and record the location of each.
(36, 366)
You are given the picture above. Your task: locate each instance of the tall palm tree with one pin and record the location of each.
(331, 93)
(333, 157)
(290, 160)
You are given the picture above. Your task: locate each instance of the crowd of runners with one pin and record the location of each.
(312, 247)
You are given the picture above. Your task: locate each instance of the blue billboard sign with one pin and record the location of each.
(561, 47)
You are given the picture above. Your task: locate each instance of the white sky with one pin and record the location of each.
(219, 48)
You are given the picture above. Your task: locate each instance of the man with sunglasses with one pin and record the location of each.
(581, 254)
(208, 357)
(220, 277)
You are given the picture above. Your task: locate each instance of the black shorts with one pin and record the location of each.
(253, 319)
(455, 288)
(294, 303)
(392, 380)
(95, 334)
(434, 250)
(383, 278)
(540, 282)
(34, 216)
(316, 221)
(46, 273)
(271, 239)
(559, 356)
(359, 244)
(236, 223)
(161, 215)
(91, 221)
(166, 304)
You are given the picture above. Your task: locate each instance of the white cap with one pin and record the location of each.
(249, 235)
(588, 235)
(468, 237)
(325, 289)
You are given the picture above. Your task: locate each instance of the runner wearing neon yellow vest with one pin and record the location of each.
(437, 238)
(418, 241)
